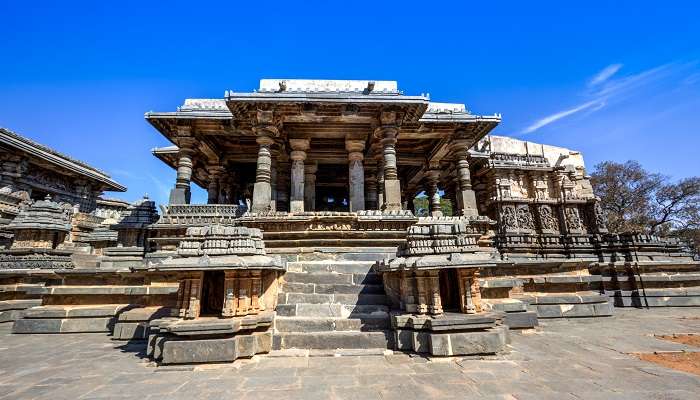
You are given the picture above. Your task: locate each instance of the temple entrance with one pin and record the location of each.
(212, 293)
(449, 290)
(332, 192)
(331, 199)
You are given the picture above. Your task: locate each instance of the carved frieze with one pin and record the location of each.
(573, 219)
(547, 218)
(524, 217)
(509, 220)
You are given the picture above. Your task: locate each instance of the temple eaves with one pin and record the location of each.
(20, 143)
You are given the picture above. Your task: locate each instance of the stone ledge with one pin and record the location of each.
(22, 304)
(563, 298)
(90, 311)
(214, 326)
(653, 278)
(489, 341)
(104, 290)
(574, 310)
(215, 350)
(649, 301)
(73, 325)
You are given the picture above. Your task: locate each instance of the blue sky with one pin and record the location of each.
(615, 80)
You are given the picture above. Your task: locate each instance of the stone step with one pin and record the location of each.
(350, 299)
(322, 278)
(332, 288)
(326, 253)
(328, 310)
(333, 340)
(345, 267)
(333, 278)
(368, 322)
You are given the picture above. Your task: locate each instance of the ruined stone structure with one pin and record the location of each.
(309, 239)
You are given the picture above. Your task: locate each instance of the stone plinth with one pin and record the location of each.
(450, 334)
(207, 340)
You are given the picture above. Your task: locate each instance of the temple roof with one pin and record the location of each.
(327, 112)
(556, 156)
(61, 161)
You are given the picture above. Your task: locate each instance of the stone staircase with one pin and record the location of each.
(329, 304)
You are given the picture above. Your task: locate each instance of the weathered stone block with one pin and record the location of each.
(198, 351)
(130, 330)
(87, 325)
(37, 326)
(490, 341)
(521, 320)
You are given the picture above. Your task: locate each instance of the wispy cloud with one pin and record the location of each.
(628, 83)
(162, 190)
(604, 74)
(593, 105)
(604, 88)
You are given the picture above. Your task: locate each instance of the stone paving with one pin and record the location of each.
(562, 359)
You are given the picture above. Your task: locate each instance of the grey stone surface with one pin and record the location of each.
(562, 359)
(335, 340)
(521, 320)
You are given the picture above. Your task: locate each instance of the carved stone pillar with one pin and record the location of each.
(433, 289)
(356, 174)
(466, 198)
(310, 186)
(470, 295)
(298, 155)
(388, 133)
(215, 172)
(190, 295)
(371, 190)
(283, 186)
(180, 194)
(380, 184)
(433, 178)
(274, 154)
(262, 190)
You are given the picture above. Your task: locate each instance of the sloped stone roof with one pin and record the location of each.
(21, 143)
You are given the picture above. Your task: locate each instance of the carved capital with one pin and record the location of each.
(300, 144)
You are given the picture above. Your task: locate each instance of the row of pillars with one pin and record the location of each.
(383, 193)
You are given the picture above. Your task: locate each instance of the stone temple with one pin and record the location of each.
(310, 238)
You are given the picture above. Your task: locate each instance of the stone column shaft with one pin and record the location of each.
(356, 174)
(213, 188)
(262, 190)
(432, 179)
(180, 194)
(298, 155)
(392, 187)
(466, 198)
(310, 186)
(371, 191)
(380, 185)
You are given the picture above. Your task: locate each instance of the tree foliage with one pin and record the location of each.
(637, 200)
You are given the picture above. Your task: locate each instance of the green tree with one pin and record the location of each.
(637, 200)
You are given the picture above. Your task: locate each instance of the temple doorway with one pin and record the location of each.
(212, 293)
(332, 193)
(449, 290)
